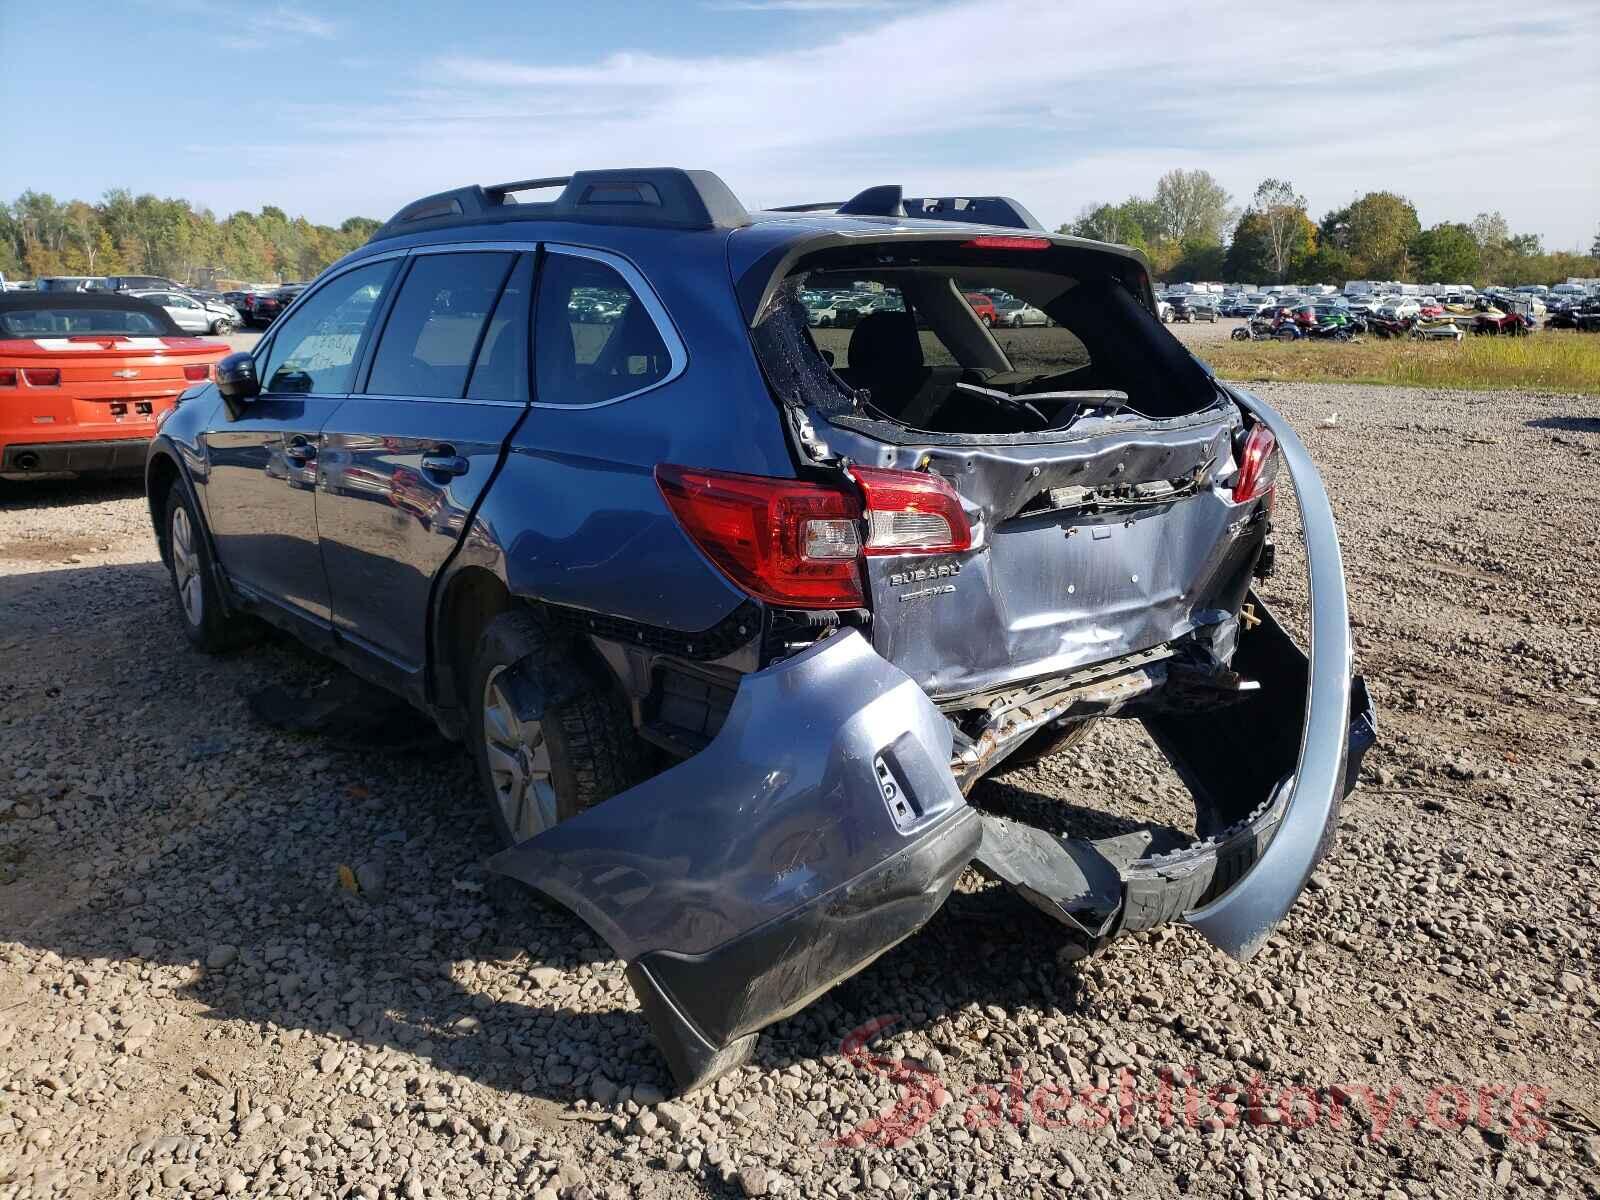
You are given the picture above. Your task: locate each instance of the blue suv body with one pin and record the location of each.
(731, 628)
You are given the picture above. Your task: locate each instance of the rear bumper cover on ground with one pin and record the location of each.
(823, 825)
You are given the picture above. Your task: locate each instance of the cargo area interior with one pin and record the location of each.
(895, 334)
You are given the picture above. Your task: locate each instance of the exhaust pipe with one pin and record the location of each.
(26, 461)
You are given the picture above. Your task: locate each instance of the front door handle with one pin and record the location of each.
(443, 460)
(299, 449)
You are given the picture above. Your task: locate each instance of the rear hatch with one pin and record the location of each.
(96, 382)
(1096, 461)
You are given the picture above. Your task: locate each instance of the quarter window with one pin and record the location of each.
(595, 340)
(432, 333)
(315, 351)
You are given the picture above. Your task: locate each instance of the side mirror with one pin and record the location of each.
(237, 382)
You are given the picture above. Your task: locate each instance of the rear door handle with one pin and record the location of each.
(299, 449)
(443, 460)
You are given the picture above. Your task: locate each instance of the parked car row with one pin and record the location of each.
(847, 308)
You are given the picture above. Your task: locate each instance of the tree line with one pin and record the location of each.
(1190, 229)
(148, 235)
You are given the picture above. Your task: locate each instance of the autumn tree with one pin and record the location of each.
(1192, 207)
(1282, 220)
(1382, 226)
(1446, 253)
(1257, 252)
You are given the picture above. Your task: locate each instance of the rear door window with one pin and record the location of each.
(594, 339)
(315, 351)
(432, 332)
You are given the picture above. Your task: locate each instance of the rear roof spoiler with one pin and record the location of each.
(661, 197)
(887, 200)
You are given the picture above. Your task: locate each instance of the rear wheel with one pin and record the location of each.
(541, 763)
(1043, 743)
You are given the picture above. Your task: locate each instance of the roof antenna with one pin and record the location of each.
(880, 201)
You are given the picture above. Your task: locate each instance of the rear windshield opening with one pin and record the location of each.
(66, 322)
(954, 341)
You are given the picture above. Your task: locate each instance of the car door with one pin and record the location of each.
(260, 489)
(185, 313)
(407, 458)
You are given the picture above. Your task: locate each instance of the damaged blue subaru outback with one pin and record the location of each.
(736, 550)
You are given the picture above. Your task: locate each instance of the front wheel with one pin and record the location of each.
(1240, 335)
(549, 740)
(222, 327)
(1287, 335)
(206, 622)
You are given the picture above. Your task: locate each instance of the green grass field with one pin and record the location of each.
(1549, 361)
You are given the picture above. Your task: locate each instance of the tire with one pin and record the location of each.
(824, 322)
(1287, 335)
(1240, 335)
(1043, 743)
(583, 751)
(206, 622)
(222, 328)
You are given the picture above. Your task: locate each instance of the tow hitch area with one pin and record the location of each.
(826, 820)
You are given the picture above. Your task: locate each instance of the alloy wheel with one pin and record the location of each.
(519, 763)
(186, 567)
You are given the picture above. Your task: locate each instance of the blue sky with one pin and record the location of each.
(337, 109)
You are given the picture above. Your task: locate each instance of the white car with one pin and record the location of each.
(1015, 313)
(192, 315)
(1437, 330)
(1164, 311)
(1398, 308)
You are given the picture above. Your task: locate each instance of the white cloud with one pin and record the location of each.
(1058, 105)
(255, 29)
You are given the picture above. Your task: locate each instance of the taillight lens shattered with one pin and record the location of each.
(786, 541)
(1258, 466)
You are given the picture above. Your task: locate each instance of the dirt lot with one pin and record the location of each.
(192, 1005)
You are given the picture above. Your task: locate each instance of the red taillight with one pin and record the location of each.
(197, 373)
(42, 376)
(1000, 241)
(799, 544)
(786, 541)
(8, 377)
(1258, 466)
(911, 512)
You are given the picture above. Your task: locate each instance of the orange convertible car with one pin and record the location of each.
(85, 378)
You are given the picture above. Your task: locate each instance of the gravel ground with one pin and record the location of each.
(192, 1005)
